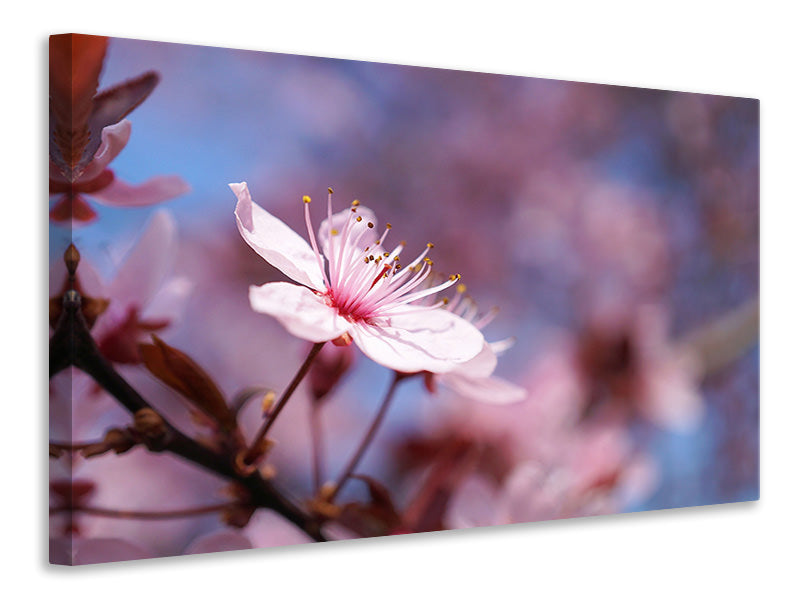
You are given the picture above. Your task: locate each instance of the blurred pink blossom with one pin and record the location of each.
(628, 366)
(144, 298)
(597, 473)
(101, 184)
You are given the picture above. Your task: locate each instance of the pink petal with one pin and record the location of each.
(169, 302)
(433, 340)
(492, 390)
(338, 222)
(302, 312)
(219, 541)
(530, 494)
(473, 505)
(113, 139)
(153, 191)
(482, 365)
(672, 396)
(275, 242)
(147, 264)
(268, 530)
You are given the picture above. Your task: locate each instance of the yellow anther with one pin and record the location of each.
(461, 288)
(359, 219)
(427, 261)
(430, 245)
(356, 203)
(366, 259)
(388, 226)
(396, 259)
(445, 301)
(386, 254)
(306, 199)
(370, 225)
(453, 277)
(334, 232)
(330, 190)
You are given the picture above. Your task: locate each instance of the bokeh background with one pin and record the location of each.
(574, 208)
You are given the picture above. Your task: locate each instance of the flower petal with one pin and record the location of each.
(153, 191)
(147, 264)
(474, 504)
(492, 390)
(433, 340)
(112, 140)
(302, 312)
(672, 397)
(170, 301)
(338, 222)
(275, 242)
(482, 365)
(531, 494)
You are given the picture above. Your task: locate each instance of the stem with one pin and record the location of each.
(252, 452)
(317, 445)
(370, 435)
(144, 514)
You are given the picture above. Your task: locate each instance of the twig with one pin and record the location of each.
(317, 445)
(253, 451)
(370, 435)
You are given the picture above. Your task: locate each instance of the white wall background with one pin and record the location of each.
(733, 48)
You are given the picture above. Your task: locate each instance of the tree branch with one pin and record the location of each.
(72, 344)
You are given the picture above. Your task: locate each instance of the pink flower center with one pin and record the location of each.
(363, 281)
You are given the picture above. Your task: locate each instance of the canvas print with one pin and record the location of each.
(299, 299)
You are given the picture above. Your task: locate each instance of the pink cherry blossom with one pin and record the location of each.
(364, 295)
(473, 379)
(143, 297)
(597, 472)
(99, 182)
(651, 376)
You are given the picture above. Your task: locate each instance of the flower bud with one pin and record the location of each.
(71, 258)
(151, 426)
(330, 366)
